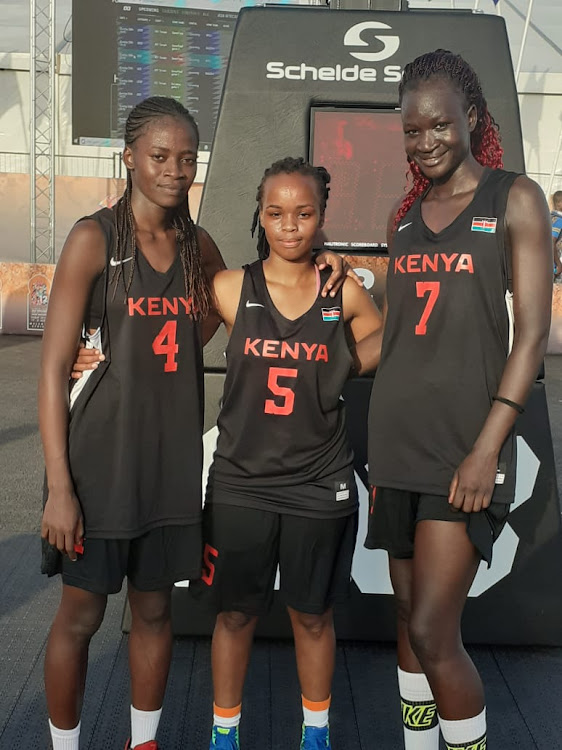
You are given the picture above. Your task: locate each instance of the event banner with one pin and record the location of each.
(24, 297)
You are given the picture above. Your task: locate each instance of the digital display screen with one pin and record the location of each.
(142, 51)
(363, 150)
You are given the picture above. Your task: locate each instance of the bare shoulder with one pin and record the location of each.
(210, 254)
(357, 301)
(85, 247)
(525, 194)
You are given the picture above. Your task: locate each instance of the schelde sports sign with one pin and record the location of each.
(362, 42)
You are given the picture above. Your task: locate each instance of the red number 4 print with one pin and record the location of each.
(272, 383)
(422, 288)
(165, 343)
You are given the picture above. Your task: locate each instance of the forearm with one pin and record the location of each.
(515, 385)
(367, 353)
(53, 426)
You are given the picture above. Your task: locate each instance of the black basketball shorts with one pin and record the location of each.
(151, 562)
(244, 546)
(393, 515)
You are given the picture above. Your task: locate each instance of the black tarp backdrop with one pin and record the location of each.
(283, 61)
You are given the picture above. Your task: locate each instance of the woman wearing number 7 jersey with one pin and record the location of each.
(124, 453)
(281, 489)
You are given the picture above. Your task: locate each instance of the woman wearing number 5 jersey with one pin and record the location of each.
(281, 489)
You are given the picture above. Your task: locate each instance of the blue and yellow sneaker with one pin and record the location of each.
(315, 738)
(225, 739)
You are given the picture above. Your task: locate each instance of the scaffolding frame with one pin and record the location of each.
(42, 130)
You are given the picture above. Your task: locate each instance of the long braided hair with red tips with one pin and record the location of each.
(484, 139)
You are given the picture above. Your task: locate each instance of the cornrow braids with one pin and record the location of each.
(196, 283)
(484, 139)
(289, 165)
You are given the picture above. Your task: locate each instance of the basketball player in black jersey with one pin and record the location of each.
(281, 488)
(124, 470)
(123, 465)
(451, 382)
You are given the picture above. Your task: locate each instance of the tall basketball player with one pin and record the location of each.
(453, 377)
(124, 461)
(281, 488)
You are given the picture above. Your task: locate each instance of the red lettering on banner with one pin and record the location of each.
(135, 306)
(251, 347)
(411, 263)
(269, 349)
(154, 305)
(448, 260)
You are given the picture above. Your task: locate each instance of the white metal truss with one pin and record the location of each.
(42, 130)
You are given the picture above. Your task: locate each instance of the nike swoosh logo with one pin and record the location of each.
(404, 226)
(114, 262)
(253, 304)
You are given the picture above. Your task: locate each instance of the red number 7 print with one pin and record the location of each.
(422, 288)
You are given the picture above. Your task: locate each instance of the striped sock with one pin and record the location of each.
(465, 734)
(227, 717)
(316, 713)
(419, 712)
(65, 739)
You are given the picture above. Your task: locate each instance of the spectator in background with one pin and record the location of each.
(556, 216)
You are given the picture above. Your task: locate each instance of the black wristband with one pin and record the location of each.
(513, 404)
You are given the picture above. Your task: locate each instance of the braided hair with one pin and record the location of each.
(196, 285)
(484, 139)
(289, 165)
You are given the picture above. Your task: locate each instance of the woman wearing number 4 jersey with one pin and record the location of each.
(281, 489)
(124, 465)
(449, 386)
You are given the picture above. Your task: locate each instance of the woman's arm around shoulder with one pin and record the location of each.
(364, 323)
(81, 262)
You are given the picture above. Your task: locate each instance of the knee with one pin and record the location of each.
(314, 625)
(402, 609)
(431, 639)
(150, 613)
(82, 622)
(234, 622)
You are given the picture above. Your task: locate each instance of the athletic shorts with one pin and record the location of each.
(151, 562)
(393, 515)
(244, 547)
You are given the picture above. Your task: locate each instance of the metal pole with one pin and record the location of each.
(523, 40)
(32, 201)
(498, 8)
(476, 5)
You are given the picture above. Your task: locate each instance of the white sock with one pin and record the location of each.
(419, 712)
(65, 739)
(144, 725)
(465, 734)
(316, 713)
(226, 717)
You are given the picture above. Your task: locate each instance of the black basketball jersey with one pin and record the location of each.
(135, 435)
(282, 437)
(445, 346)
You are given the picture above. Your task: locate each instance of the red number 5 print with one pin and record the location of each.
(272, 383)
(423, 288)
